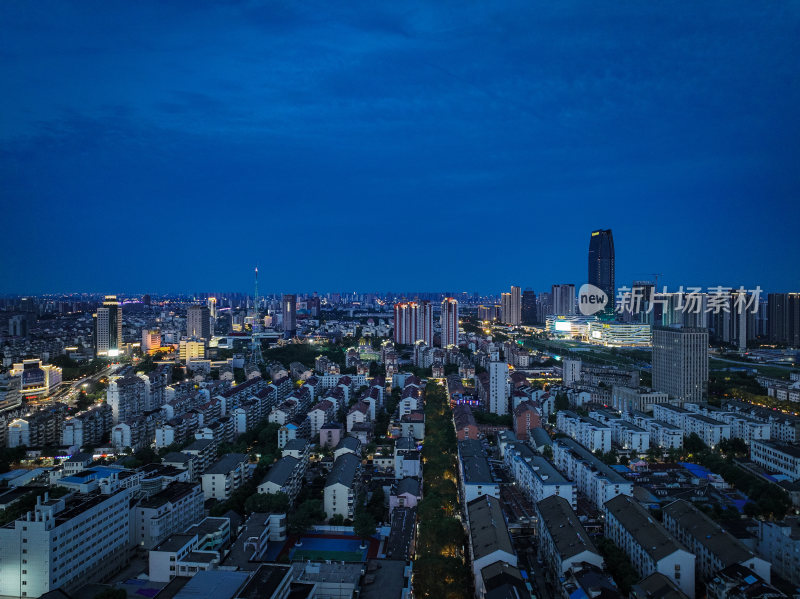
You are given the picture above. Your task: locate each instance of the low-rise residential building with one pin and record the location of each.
(649, 546)
(225, 476)
(563, 542)
(169, 511)
(714, 548)
(779, 543)
(536, 476)
(527, 416)
(284, 476)
(406, 492)
(589, 432)
(640, 399)
(777, 457)
(476, 476)
(342, 486)
(595, 479)
(464, 422)
(489, 541)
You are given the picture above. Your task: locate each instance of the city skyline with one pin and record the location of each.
(284, 131)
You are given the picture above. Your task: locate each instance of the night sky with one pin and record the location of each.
(455, 146)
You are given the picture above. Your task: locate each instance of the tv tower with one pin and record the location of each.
(256, 357)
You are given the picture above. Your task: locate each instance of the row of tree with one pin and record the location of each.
(440, 570)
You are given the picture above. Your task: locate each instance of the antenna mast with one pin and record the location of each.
(256, 357)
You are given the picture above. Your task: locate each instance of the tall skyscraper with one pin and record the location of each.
(289, 315)
(108, 327)
(528, 307)
(198, 323)
(449, 321)
(783, 322)
(413, 321)
(601, 266)
(680, 362)
(563, 298)
(512, 306)
(498, 385)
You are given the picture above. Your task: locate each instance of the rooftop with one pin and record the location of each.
(645, 530)
(569, 537)
(227, 463)
(487, 527)
(708, 533)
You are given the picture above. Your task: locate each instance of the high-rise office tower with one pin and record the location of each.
(449, 321)
(680, 362)
(783, 318)
(211, 302)
(498, 385)
(289, 315)
(18, 325)
(151, 340)
(563, 299)
(601, 266)
(544, 306)
(528, 307)
(108, 327)
(512, 306)
(413, 321)
(198, 323)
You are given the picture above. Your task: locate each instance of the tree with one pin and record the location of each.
(694, 444)
(547, 451)
(364, 525)
(561, 402)
(267, 503)
(336, 520)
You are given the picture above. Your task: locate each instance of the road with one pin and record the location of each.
(68, 391)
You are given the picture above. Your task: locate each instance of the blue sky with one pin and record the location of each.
(396, 145)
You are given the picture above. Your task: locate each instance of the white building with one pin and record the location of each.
(777, 457)
(476, 476)
(537, 477)
(489, 541)
(563, 542)
(172, 510)
(779, 543)
(341, 486)
(225, 476)
(587, 431)
(284, 476)
(592, 477)
(714, 548)
(648, 545)
(65, 543)
(498, 387)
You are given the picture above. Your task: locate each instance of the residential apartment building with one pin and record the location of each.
(476, 476)
(592, 477)
(225, 476)
(563, 542)
(713, 547)
(779, 544)
(284, 476)
(172, 510)
(590, 433)
(536, 476)
(65, 543)
(489, 541)
(648, 545)
(341, 486)
(777, 457)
